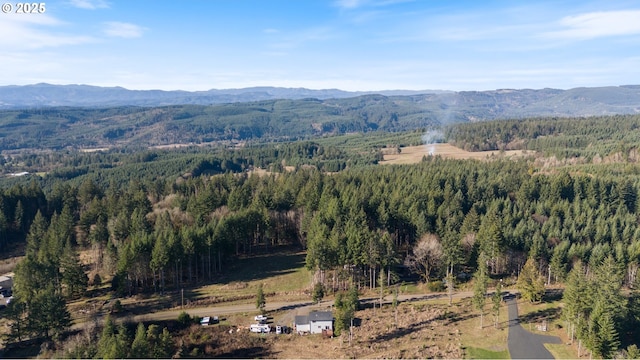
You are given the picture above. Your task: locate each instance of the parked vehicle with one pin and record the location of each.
(261, 318)
(260, 328)
(278, 329)
(209, 320)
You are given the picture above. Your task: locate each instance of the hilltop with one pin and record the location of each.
(94, 117)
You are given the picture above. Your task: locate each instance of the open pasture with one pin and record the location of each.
(414, 154)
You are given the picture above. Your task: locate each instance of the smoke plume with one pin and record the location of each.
(430, 138)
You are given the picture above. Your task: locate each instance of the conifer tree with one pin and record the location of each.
(74, 278)
(530, 283)
(496, 300)
(318, 292)
(260, 299)
(140, 346)
(480, 278)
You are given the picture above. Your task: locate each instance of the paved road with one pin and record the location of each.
(523, 344)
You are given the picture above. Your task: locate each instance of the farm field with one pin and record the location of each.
(414, 154)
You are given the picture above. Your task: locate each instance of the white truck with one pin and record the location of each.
(261, 318)
(260, 328)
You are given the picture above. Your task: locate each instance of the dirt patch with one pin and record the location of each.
(422, 331)
(414, 154)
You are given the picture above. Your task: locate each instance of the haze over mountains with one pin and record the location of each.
(39, 95)
(474, 105)
(78, 116)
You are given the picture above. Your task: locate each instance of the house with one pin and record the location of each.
(314, 323)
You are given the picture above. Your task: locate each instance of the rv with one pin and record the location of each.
(260, 328)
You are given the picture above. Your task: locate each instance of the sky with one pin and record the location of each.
(354, 45)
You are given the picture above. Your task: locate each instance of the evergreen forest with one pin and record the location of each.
(159, 220)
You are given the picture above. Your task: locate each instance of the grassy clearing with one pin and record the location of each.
(280, 275)
(487, 342)
(414, 154)
(562, 351)
(478, 353)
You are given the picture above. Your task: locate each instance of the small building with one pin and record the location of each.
(314, 323)
(301, 324)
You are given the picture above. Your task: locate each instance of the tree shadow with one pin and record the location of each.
(552, 295)
(294, 306)
(401, 331)
(261, 267)
(453, 318)
(541, 315)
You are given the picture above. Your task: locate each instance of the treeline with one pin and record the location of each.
(367, 219)
(599, 314)
(562, 137)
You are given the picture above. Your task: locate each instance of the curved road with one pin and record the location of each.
(523, 344)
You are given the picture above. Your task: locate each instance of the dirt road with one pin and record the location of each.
(289, 307)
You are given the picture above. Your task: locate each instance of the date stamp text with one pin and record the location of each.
(24, 8)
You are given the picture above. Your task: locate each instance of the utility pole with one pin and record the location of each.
(182, 306)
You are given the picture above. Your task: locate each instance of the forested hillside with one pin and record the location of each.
(273, 120)
(41, 127)
(151, 227)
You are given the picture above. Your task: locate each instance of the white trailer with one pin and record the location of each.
(260, 328)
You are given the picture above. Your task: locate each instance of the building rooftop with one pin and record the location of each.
(301, 320)
(320, 316)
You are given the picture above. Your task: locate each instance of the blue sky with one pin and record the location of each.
(344, 44)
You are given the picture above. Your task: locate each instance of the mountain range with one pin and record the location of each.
(47, 95)
(47, 116)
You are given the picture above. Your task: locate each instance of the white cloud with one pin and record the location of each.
(598, 24)
(90, 4)
(270, 31)
(27, 33)
(124, 30)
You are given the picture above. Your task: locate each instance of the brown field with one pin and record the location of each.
(422, 331)
(414, 154)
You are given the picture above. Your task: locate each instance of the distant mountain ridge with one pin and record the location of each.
(460, 106)
(48, 95)
(79, 116)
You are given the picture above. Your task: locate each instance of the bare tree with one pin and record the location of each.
(426, 255)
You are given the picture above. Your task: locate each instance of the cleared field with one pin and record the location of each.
(414, 154)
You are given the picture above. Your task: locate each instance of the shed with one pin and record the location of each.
(302, 324)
